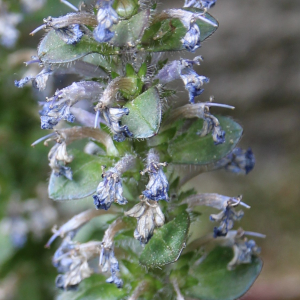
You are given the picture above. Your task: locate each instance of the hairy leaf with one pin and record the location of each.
(166, 35)
(129, 32)
(190, 148)
(53, 50)
(216, 282)
(86, 177)
(167, 243)
(144, 114)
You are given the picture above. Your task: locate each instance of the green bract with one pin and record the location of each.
(145, 114)
(168, 242)
(86, 176)
(188, 148)
(216, 282)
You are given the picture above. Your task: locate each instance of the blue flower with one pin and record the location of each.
(218, 135)
(71, 34)
(158, 185)
(212, 124)
(113, 118)
(226, 218)
(109, 261)
(109, 190)
(241, 161)
(39, 81)
(52, 113)
(193, 83)
(61, 261)
(106, 17)
(243, 250)
(191, 40)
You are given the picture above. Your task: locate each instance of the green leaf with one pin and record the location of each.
(167, 243)
(53, 50)
(129, 32)
(86, 177)
(94, 288)
(166, 35)
(190, 148)
(111, 63)
(216, 282)
(144, 114)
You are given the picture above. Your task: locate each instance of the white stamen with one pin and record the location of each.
(38, 29)
(43, 138)
(69, 4)
(219, 105)
(96, 125)
(207, 21)
(256, 234)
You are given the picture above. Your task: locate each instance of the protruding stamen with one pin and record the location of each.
(43, 138)
(97, 119)
(38, 29)
(69, 4)
(255, 234)
(207, 21)
(219, 105)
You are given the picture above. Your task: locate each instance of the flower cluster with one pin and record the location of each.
(119, 105)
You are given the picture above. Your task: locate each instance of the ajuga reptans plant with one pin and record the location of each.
(134, 146)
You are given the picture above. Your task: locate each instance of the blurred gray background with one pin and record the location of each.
(253, 62)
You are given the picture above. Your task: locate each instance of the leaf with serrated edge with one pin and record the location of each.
(216, 282)
(190, 148)
(167, 242)
(86, 177)
(144, 116)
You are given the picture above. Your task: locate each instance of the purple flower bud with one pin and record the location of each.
(106, 17)
(109, 190)
(191, 40)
